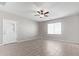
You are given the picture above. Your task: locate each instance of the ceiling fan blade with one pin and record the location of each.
(46, 15)
(46, 12)
(38, 12)
(36, 15)
(41, 11)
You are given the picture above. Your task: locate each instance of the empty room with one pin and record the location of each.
(39, 28)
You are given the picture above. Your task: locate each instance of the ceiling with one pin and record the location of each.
(28, 9)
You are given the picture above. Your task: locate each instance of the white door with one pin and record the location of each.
(9, 31)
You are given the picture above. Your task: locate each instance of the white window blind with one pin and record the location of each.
(54, 28)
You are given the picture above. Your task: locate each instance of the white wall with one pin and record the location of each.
(70, 29)
(1, 30)
(26, 28)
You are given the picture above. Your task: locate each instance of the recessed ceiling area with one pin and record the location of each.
(28, 9)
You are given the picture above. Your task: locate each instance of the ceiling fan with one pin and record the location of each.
(42, 13)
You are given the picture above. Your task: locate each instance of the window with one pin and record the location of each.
(54, 28)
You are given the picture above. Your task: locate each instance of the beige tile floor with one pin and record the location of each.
(40, 48)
